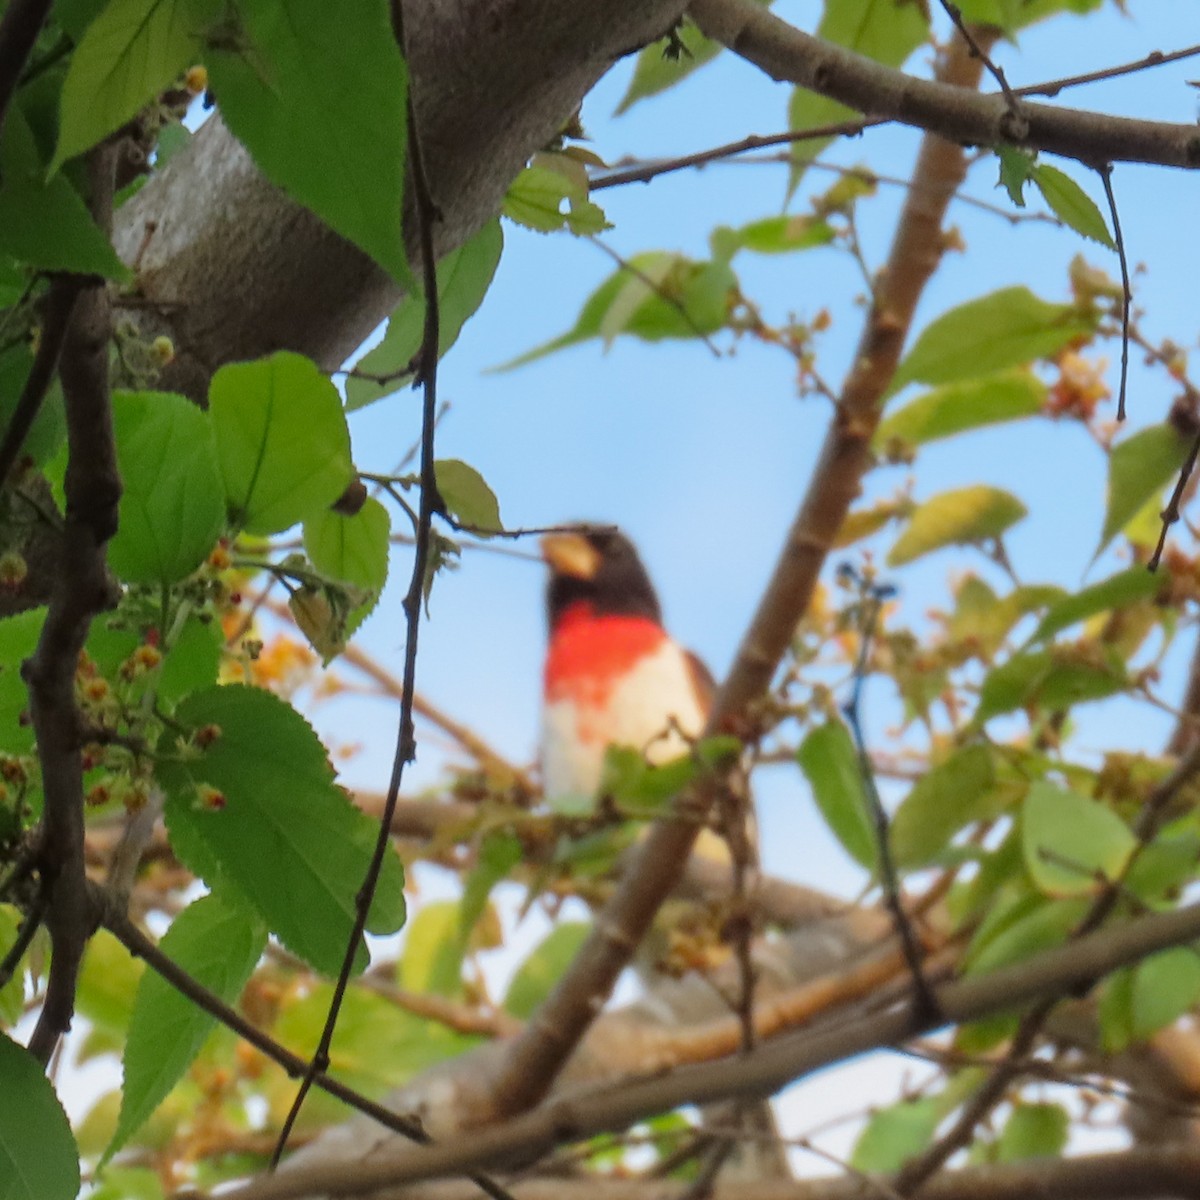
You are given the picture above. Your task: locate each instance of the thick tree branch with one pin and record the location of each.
(541, 1050)
(759, 1073)
(786, 53)
(1165, 1171)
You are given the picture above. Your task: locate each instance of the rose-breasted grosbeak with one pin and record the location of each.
(613, 675)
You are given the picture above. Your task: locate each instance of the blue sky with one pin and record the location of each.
(702, 459)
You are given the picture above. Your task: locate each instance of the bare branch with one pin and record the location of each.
(785, 53)
(759, 1073)
(538, 1054)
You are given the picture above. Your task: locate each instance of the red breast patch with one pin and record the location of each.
(590, 654)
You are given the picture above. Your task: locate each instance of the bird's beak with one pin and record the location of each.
(570, 554)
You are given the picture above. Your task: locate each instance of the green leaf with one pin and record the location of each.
(1071, 204)
(1165, 986)
(958, 407)
(1072, 845)
(1008, 328)
(131, 52)
(954, 794)
(830, 762)
(18, 640)
(963, 516)
(1034, 925)
(1115, 1011)
(258, 810)
(665, 63)
(191, 661)
(464, 277)
(108, 981)
(433, 951)
(771, 235)
(499, 852)
(218, 944)
(12, 994)
(1049, 679)
(543, 968)
(536, 197)
(352, 549)
(1016, 169)
(1033, 1131)
(1125, 588)
(317, 93)
(1138, 468)
(894, 1134)
(1012, 15)
(38, 1157)
(173, 504)
(660, 295)
(282, 440)
(467, 496)
(886, 30)
(49, 429)
(43, 222)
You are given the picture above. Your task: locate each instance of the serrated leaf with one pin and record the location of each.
(536, 198)
(1072, 845)
(1138, 469)
(173, 503)
(830, 763)
(1008, 328)
(964, 516)
(352, 549)
(467, 496)
(258, 810)
(958, 407)
(1016, 169)
(129, 54)
(464, 277)
(282, 440)
(1165, 986)
(543, 968)
(218, 944)
(44, 222)
(893, 1135)
(282, 79)
(954, 794)
(191, 662)
(666, 62)
(38, 1157)
(886, 30)
(1071, 204)
(1012, 15)
(1117, 591)
(1033, 1131)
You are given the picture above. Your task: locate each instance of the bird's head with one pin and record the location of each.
(597, 566)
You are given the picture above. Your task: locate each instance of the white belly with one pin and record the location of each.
(655, 710)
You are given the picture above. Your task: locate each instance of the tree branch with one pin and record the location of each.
(785, 53)
(538, 1054)
(82, 589)
(761, 1072)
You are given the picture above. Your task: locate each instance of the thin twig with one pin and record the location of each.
(658, 290)
(1105, 173)
(955, 15)
(31, 923)
(19, 29)
(1170, 514)
(873, 597)
(648, 171)
(1156, 58)
(60, 303)
(430, 503)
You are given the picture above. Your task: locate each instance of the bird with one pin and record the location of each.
(613, 676)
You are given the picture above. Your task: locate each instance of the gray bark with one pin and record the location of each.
(231, 269)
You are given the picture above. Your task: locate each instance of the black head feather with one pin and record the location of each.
(597, 565)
